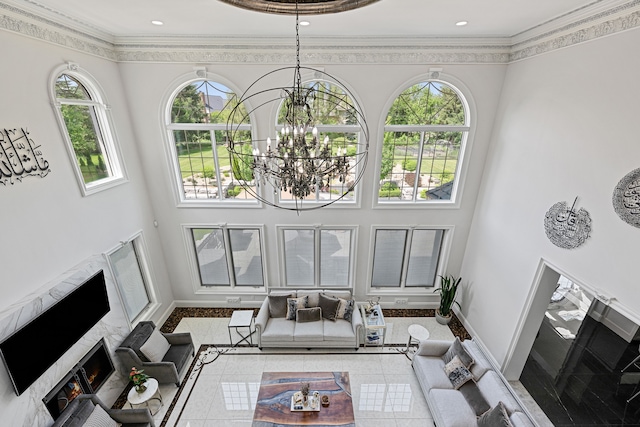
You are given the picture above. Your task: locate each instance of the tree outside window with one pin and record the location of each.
(424, 134)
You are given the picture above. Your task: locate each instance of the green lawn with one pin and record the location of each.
(194, 161)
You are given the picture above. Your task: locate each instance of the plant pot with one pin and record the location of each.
(443, 320)
(141, 388)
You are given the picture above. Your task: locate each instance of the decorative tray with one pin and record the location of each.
(313, 404)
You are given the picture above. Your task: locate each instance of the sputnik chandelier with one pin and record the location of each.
(304, 164)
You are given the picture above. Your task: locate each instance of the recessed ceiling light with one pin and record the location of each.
(156, 22)
(305, 23)
(461, 23)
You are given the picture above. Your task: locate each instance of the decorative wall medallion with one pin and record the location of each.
(565, 227)
(626, 198)
(20, 156)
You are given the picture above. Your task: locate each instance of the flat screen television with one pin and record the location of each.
(32, 349)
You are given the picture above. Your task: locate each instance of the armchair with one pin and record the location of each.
(83, 406)
(169, 368)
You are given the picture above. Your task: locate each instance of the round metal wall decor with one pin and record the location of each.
(565, 227)
(626, 198)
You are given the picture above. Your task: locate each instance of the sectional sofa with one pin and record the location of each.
(462, 407)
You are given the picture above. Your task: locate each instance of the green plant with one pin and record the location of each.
(409, 165)
(448, 289)
(389, 189)
(137, 376)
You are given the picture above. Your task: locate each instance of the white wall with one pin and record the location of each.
(375, 87)
(566, 127)
(47, 226)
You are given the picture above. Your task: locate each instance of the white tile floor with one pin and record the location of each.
(384, 387)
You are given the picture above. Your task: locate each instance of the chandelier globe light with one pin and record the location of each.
(303, 164)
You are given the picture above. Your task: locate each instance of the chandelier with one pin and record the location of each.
(303, 164)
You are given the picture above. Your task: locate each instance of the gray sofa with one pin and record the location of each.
(449, 407)
(79, 410)
(169, 368)
(280, 332)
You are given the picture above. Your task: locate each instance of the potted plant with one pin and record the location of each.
(139, 379)
(448, 289)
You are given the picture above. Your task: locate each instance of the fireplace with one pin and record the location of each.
(87, 376)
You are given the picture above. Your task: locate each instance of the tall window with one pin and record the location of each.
(128, 270)
(229, 256)
(337, 124)
(86, 123)
(406, 257)
(424, 134)
(320, 257)
(199, 114)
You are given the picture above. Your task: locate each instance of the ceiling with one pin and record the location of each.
(125, 19)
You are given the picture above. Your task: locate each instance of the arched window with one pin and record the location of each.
(199, 114)
(337, 123)
(86, 126)
(424, 136)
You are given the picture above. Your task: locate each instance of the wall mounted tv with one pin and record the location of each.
(32, 349)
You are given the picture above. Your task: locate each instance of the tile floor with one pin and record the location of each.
(384, 387)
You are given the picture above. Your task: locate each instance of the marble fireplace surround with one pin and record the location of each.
(28, 408)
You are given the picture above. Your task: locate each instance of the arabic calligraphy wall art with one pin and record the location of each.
(565, 227)
(626, 198)
(20, 156)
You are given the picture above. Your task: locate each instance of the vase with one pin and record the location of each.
(141, 388)
(443, 320)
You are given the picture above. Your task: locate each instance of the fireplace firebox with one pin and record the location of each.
(87, 376)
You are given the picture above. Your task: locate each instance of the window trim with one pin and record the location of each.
(465, 147)
(194, 267)
(140, 247)
(445, 249)
(317, 228)
(174, 88)
(106, 129)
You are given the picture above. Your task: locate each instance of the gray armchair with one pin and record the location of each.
(173, 362)
(81, 407)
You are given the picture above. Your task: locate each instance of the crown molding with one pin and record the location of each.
(623, 17)
(593, 21)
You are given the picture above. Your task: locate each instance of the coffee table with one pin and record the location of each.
(273, 407)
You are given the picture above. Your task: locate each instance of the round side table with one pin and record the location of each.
(151, 393)
(416, 333)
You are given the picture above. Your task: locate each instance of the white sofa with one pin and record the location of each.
(280, 332)
(448, 406)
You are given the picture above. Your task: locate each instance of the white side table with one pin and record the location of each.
(151, 393)
(416, 333)
(374, 326)
(241, 319)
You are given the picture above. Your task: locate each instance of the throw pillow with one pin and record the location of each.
(459, 376)
(156, 347)
(293, 304)
(496, 417)
(308, 314)
(457, 349)
(451, 366)
(474, 397)
(329, 306)
(100, 418)
(278, 305)
(313, 295)
(345, 309)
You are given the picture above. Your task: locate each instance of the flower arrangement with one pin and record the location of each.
(138, 377)
(304, 389)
